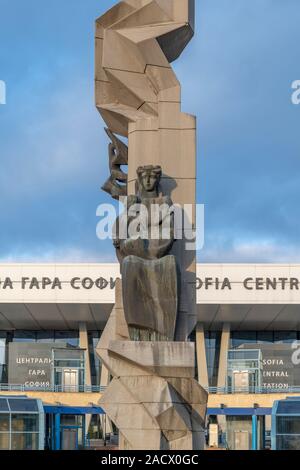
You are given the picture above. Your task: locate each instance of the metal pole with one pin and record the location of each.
(57, 431)
(254, 432)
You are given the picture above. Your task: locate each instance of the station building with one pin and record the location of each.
(52, 316)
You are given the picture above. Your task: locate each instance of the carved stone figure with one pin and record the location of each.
(116, 185)
(149, 277)
(147, 226)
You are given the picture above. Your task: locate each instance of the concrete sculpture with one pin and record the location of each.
(116, 185)
(153, 397)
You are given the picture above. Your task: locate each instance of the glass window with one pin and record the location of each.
(242, 337)
(95, 362)
(288, 425)
(20, 404)
(3, 404)
(4, 422)
(285, 336)
(27, 441)
(212, 339)
(265, 337)
(289, 407)
(70, 337)
(3, 360)
(4, 441)
(244, 354)
(71, 420)
(45, 336)
(22, 336)
(2, 351)
(288, 442)
(24, 423)
(212, 345)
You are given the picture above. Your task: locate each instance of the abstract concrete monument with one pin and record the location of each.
(153, 397)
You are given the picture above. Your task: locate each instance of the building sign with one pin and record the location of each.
(249, 283)
(30, 364)
(43, 283)
(95, 283)
(280, 370)
(207, 283)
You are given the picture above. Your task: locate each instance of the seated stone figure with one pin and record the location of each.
(151, 213)
(149, 274)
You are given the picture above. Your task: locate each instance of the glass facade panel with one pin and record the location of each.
(20, 431)
(288, 425)
(285, 337)
(2, 351)
(4, 441)
(288, 442)
(70, 337)
(4, 422)
(3, 367)
(291, 407)
(26, 441)
(238, 338)
(243, 355)
(71, 420)
(264, 337)
(21, 336)
(45, 336)
(244, 370)
(19, 404)
(93, 337)
(69, 369)
(3, 405)
(212, 343)
(24, 423)
(242, 337)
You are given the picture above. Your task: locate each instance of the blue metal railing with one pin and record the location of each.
(252, 390)
(100, 389)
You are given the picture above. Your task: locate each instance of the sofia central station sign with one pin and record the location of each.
(87, 283)
(44, 283)
(250, 283)
(95, 283)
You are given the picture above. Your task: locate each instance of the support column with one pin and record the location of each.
(263, 432)
(201, 357)
(84, 344)
(104, 376)
(57, 431)
(254, 432)
(225, 342)
(104, 381)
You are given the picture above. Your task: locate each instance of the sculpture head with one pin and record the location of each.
(148, 179)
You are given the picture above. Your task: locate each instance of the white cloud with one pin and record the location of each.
(46, 254)
(256, 251)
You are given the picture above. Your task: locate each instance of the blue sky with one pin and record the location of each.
(236, 77)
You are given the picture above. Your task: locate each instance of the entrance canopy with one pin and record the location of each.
(74, 410)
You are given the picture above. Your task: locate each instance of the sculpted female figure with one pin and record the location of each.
(149, 274)
(148, 220)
